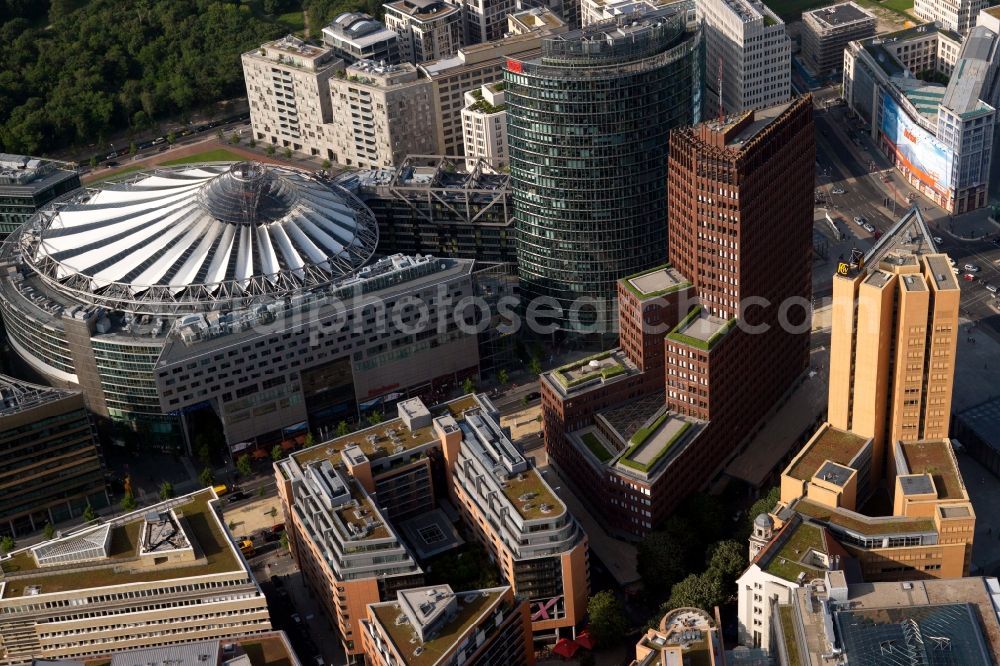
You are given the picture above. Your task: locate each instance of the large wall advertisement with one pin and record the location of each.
(916, 148)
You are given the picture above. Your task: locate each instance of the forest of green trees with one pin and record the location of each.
(73, 72)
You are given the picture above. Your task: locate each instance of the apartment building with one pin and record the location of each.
(382, 113)
(484, 126)
(475, 66)
(355, 36)
(486, 20)
(958, 16)
(427, 29)
(288, 89)
(167, 574)
(430, 204)
(539, 548)
(51, 466)
(435, 626)
(747, 53)
(870, 494)
(27, 184)
(827, 31)
(920, 621)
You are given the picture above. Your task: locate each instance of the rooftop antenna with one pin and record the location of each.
(722, 112)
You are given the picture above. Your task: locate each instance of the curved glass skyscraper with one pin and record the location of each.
(588, 127)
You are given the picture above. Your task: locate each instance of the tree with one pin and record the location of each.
(49, 530)
(131, 148)
(662, 560)
(171, 137)
(607, 618)
(273, 512)
(207, 477)
(166, 490)
(503, 377)
(535, 366)
(93, 162)
(243, 465)
(6, 544)
(375, 418)
(234, 138)
(203, 450)
(308, 440)
(288, 153)
(704, 592)
(284, 540)
(468, 386)
(729, 560)
(128, 502)
(710, 515)
(252, 142)
(219, 134)
(270, 149)
(88, 513)
(765, 504)
(326, 164)
(277, 452)
(343, 429)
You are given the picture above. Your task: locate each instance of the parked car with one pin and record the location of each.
(838, 190)
(992, 288)
(938, 240)
(869, 228)
(972, 268)
(968, 277)
(270, 535)
(954, 269)
(860, 221)
(237, 496)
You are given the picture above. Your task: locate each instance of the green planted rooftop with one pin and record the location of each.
(651, 443)
(864, 525)
(656, 282)
(605, 365)
(701, 330)
(793, 556)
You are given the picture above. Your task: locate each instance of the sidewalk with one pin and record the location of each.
(971, 226)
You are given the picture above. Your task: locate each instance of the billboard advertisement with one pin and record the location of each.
(916, 148)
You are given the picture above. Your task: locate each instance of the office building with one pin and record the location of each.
(382, 113)
(921, 621)
(645, 425)
(486, 20)
(378, 476)
(27, 184)
(588, 130)
(478, 65)
(427, 29)
(263, 314)
(51, 467)
(957, 16)
(684, 635)
(484, 124)
(596, 11)
(437, 626)
(747, 53)
(978, 429)
(288, 89)
(261, 649)
(939, 136)
(878, 484)
(827, 31)
(355, 36)
(430, 205)
(165, 575)
(893, 341)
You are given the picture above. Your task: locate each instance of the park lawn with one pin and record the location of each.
(216, 155)
(294, 21)
(120, 172)
(897, 5)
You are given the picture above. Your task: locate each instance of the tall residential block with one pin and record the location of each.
(355, 36)
(51, 465)
(342, 500)
(479, 65)
(382, 113)
(436, 626)
(588, 130)
(643, 426)
(27, 184)
(427, 29)
(746, 52)
(484, 124)
(959, 16)
(893, 341)
(827, 31)
(486, 20)
(288, 88)
(164, 575)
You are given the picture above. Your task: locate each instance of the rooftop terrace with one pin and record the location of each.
(598, 368)
(829, 443)
(701, 330)
(654, 441)
(473, 607)
(213, 550)
(532, 496)
(794, 554)
(864, 525)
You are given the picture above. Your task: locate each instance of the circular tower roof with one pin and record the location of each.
(182, 238)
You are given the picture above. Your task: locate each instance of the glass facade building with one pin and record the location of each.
(588, 128)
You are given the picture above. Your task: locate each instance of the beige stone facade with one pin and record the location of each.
(427, 29)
